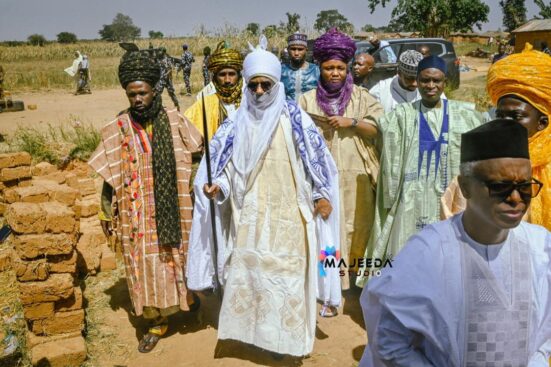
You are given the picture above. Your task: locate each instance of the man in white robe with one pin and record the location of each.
(275, 185)
(472, 290)
(402, 87)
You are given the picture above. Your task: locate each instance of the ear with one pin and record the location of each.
(464, 185)
(543, 122)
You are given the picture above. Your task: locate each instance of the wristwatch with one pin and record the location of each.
(354, 122)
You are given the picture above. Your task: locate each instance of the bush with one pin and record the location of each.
(67, 37)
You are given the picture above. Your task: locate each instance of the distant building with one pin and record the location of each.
(536, 32)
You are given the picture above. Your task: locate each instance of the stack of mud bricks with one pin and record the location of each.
(45, 223)
(15, 171)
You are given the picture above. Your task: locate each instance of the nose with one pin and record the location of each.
(515, 197)
(227, 79)
(414, 83)
(259, 89)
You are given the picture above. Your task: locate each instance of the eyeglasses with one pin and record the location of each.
(502, 190)
(266, 86)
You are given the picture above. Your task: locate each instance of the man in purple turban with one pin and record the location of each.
(346, 114)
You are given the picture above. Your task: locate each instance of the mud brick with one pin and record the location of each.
(43, 169)
(3, 208)
(24, 182)
(56, 177)
(59, 323)
(16, 173)
(30, 271)
(30, 246)
(108, 259)
(63, 263)
(89, 247)
(34, 340)
(8, 160)
(89, 207)
(70, 304)
(60, 353)
(6, 259)
(59, 218)
(26, 218)
(86, 186)
(72, 181)
(31, 194)
(39, 311)
(55, 288)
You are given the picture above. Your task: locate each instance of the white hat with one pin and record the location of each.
(261, 63)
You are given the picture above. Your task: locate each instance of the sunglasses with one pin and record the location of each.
(266, 86)
(527, 190)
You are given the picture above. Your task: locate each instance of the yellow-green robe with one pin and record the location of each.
(357, 161)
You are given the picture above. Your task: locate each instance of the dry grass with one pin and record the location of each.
(33, 68)
(11, 318)
(101, 338)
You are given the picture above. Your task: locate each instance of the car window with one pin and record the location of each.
(435, 48)
(387, 54)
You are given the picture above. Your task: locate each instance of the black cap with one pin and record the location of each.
(496, 139)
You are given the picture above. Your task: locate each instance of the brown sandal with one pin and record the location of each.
(328, 311)
(150, 340)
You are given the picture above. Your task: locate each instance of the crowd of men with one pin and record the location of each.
(301, 163)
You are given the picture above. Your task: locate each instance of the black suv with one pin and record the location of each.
(386, 67)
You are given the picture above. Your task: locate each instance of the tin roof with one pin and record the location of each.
(534, 25)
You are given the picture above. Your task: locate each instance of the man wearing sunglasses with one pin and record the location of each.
(472, 290)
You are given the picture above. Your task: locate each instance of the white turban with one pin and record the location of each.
(261, 63)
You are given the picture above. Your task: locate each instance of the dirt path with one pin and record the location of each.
(192, 338)
(59, 107)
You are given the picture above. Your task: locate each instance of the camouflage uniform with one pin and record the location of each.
(187, 60)
(167, 63)
(206, 74)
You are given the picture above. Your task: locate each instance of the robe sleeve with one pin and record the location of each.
(391, 155)
(192, 138)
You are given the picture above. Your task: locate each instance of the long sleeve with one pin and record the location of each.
(395, 344)
(541, 357)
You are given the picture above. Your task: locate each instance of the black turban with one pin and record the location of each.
(139, 66)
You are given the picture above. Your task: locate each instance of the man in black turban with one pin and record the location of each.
(145, 159)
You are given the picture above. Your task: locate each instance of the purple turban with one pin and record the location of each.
(334, 45)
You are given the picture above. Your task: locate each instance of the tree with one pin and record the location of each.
(121, 29)
(436, 17)
(36, 39)
(514, 14)
(66, 37)
(270, 31)
(292, 25)
(368, 28)
(545, 10)
(253, 28)
(156, 35)
(327, 19)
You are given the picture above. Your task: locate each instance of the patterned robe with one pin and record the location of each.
(155, 274)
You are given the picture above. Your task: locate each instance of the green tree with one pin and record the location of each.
(514, 14)
(368, 28)
(293, 24)
(270, 30)
(253, 29)
(66, 37)
(121, 29)
(545, 10)
(436, 17)
(156, 35)
(36, 40)
(327, 19)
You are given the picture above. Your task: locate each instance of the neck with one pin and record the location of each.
(298, 64)
(482, 231)
(432, 104)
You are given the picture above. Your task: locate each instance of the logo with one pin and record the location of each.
(363, 266)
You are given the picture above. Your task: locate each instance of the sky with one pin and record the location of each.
(21, 18)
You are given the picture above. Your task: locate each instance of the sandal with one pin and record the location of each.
(194, 307)
(150, 340)
(328, 311)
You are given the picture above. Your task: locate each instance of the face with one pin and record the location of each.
(227, 77)
(140, 95)
(297, 53)
(514, 108)
(259, 85)
(424, 50)
(333, 72)
(375, 42)
(362, 66)
(407, 82)
(431, 83)
(495, 212)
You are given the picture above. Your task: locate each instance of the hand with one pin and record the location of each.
(211, 191)
(107, 228)
(323, 207)
(339, 122)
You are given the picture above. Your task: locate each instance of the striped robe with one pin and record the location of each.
(155, 274)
